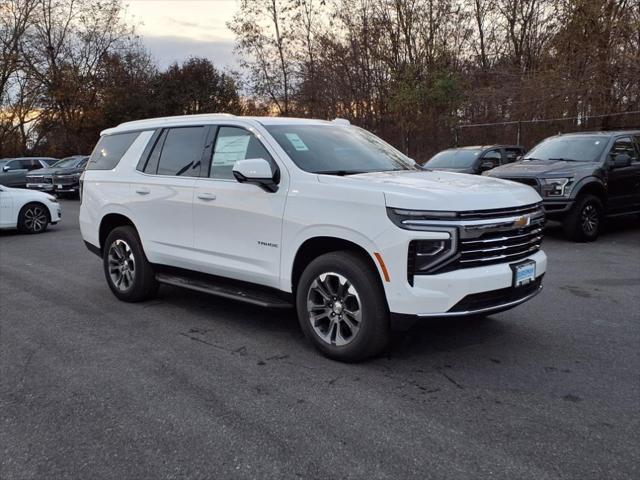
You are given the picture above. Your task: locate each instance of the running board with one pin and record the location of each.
(622, 214)
(247, 293)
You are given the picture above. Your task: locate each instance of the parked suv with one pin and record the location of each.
(61, 178)
(475, 159)
(13, 171)
(582, 178)
(323, 216)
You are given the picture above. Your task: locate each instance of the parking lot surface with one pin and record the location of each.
(193, 386)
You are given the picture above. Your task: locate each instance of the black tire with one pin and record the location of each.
(122, 254)
(584, 221)
(372, 334)
(34, 217)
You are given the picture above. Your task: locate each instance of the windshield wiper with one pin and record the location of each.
(564, 160)
(340, 173)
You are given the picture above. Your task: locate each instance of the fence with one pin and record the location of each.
(530, 132)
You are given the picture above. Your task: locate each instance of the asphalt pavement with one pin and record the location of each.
(193, 386)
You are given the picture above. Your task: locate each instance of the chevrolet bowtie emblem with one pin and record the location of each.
(523, 221)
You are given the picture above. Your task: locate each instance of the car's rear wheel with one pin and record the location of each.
(584, 221)
(341, 307)
(33, 218)
(128, 272)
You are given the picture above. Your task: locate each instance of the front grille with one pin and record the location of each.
(499, 247)
(499, 212)
(489, 237)
(38, 179)
(65, 180)
(494, 298)
(532, 182)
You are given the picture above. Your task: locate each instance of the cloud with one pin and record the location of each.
(168, 49)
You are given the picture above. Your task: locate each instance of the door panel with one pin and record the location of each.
(17, 176)
(162, 195)
(238, 226)
(624, 183)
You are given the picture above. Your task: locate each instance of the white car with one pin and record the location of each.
(321, 216)
(27, 210)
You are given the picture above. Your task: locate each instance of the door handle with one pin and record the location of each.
(206, 196)
(143, 190)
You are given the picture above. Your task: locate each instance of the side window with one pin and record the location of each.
(19, 165)
(12, 165)
(181, 151)
(232, 144)
(511, 155)
(34, 164)
(493, 156)
(109, 150)
(624, 145)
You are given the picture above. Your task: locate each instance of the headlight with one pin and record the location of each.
(418, 219)
(52, 199)
(427, 255)
(555, 187)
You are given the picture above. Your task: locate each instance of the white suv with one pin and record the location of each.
(319, 215)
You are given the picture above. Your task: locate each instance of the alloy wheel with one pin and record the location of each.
(334, 309)
(121, 264)
(35, 219)
(590, 219)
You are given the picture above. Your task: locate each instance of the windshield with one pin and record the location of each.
(338, 150)
(67, 162)
(573, 148)
(454, 159)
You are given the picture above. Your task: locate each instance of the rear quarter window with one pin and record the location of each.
(110, 149)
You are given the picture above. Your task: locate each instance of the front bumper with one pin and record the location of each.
(557, 208)
(42, 187)
(463, 292)
(55, 212)
(57, 186)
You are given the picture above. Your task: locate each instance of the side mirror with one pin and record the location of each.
(257, 171)
(621, 160)
(6, 168)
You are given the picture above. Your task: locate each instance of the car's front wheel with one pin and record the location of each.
(341, 307)
(584, 221)
(33, 218)
(128, 272)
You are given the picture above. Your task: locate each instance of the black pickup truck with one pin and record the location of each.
(61, 178)
(582, 178)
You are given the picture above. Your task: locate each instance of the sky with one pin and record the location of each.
(173, 30)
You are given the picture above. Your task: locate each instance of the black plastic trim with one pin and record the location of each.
(93, 249)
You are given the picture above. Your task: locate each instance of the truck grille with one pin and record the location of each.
(488, 237)
(499, 247)
(39, 179)
(532, 182)
(65, 180)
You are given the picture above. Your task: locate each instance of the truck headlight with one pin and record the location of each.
(555, 187)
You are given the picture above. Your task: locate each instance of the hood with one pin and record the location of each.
(54, 171)
(457, 170)
(540, 168)
(33, 194)
(438, 190)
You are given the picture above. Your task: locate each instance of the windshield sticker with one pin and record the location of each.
(297, 142)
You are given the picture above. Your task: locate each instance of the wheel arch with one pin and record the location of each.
(316, 246)
(591, 186)
(108, 223)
